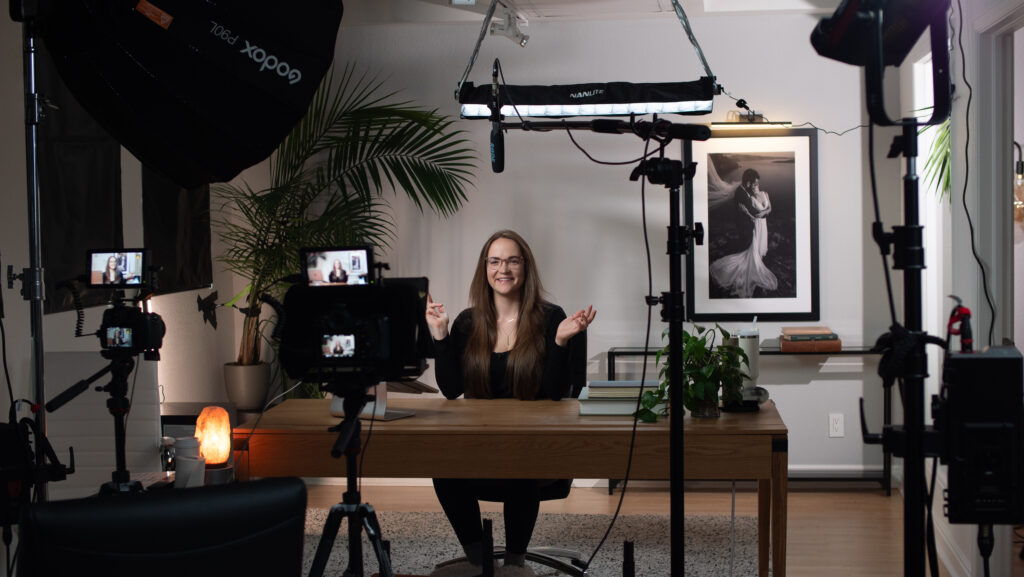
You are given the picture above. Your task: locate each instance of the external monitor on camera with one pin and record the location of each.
(118, 267)
(338, 266)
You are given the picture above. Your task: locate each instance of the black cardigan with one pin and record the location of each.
(449, 351)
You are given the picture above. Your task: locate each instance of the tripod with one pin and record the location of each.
(360, 515)
(121, 365)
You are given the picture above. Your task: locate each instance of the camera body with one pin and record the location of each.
(129, 330)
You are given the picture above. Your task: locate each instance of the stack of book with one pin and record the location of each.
(612, 397)
(809, 340)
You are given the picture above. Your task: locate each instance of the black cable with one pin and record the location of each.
(76, 299)
(827, 131)
(877, 228)
(967, 168)
(606, 162)
(7, 374)
(933, 556)
(366, 444)
(986, 542)
(643, 371)
(131, 396)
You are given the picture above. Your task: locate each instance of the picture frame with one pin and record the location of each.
(760, 251)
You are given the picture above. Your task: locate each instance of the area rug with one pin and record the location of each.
(420, 540)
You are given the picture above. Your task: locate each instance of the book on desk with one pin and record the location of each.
(612, 397)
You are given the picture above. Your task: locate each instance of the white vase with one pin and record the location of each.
(247, 385)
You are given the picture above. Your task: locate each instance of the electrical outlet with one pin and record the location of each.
(836, 427)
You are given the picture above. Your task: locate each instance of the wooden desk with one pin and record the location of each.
(504, 438)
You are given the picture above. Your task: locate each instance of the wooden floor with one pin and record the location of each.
(836, 532)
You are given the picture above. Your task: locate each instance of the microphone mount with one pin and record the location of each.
(660, 130)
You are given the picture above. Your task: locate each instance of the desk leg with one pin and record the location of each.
(779, 500)
(764, 508)
(241, 465)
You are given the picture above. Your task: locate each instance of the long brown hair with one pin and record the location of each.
(525, 362)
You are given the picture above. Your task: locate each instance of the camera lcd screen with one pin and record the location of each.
(338, 266)
(119, 338)
(117, 267)
(338, 346)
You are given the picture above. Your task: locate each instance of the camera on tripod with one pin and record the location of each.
(126, 329)
(340, 325)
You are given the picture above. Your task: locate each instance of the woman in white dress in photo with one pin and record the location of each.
(741, 273)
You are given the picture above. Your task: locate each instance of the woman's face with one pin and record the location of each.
(112, 262)
(504, 275)
(337, 265)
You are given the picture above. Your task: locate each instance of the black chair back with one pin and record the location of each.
(253, 528)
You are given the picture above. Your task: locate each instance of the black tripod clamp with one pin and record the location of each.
(902, 358)
(672, 174)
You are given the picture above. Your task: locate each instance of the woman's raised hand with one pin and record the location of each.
(574, 325)
(437, 319)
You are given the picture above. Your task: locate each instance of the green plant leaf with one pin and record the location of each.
(328, 182)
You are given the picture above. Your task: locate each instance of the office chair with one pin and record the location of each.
(253, 528)
(559, 488)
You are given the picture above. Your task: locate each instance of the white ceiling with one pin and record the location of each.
(550, 10)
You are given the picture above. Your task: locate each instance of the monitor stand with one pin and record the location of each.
(376, 409)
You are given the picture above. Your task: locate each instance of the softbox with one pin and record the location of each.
(197, 91)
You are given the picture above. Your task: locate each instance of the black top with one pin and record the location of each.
(449, 351)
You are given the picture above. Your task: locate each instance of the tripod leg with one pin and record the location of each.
(355, 540)
(369, 517)
(323, 550)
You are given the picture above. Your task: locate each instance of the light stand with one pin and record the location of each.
(32, 277)
(912, 366)
(360, 515)
(673, 174)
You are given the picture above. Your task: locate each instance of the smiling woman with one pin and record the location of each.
(510, 342)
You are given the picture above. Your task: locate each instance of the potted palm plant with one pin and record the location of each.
(711, 373)
(327, 181)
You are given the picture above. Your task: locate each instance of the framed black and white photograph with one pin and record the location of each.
(756, 193)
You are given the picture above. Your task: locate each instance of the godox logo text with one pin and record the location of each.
(271, 62)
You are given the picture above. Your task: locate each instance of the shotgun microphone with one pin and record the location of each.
(497, 136)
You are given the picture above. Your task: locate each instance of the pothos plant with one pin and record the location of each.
(712, 369)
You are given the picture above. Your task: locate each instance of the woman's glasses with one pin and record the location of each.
(513, 262)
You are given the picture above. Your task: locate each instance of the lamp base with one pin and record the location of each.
(219, 474)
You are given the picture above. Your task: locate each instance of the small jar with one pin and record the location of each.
(167, 454)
